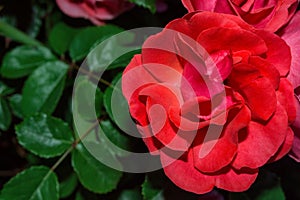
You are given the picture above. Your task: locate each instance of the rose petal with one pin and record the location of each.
(278, 52)
(95, 11)
(193, 5)
(157, 108)
(248, 5)
(236, 180)
(219, 38)
(241, 75)
(105, 13)
(183, 173)
(196, 84)
(209, 154)
(196, 25)
(151, 142)
(269, 15)
(72, 9)
(285, 96)
(261, 4)
(107, 9)
(198, 108)
(285, 147)
(146, 100)
(291, 36)
(284, 11)
(225, 7)
(223, 60)
(205, 108)
(266, 69)
(165, 131)
(182, 25)
(208, 151)
(131, 79)
(160, 59)
(137, 107)
(183, 123)
(163, 94)
(203, 75)
(205, 78)
(266, 138)
(261, 98)
(258, 18)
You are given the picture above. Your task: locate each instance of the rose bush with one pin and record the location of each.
(213, 100)
(269, 15)
(95, 10)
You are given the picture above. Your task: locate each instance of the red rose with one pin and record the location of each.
(95, 10)
(210, 96)
(291, 36)
(269, 15)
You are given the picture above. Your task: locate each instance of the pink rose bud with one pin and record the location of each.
(97, 11)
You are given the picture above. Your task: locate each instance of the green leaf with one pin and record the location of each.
(108, 96)
(44, 135)
(149, 4)
(92, 174)
(67, 187)
(43, 88)
(150, 192)
(15, 105)
(61, 36)
(86, 38)
(113, 53)
(14, 34)
(118, 139)
(35, 183)
(5, 90)
(274, 193)
(5, 115)
(84, 117)
(130, 195)
(123, 60)
(119, 114)
(88, 108)
(22, 60)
